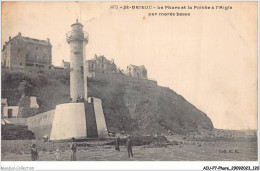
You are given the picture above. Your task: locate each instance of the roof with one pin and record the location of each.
(31, 40)
(77, 23)
(142, 66)
(28, 39)
(65, 62)
(101, 56)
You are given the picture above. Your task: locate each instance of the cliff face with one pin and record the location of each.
(145, 108)
(129, 105)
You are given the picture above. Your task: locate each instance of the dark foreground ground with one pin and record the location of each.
(219, 150)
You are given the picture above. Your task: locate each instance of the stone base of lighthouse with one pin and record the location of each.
(79, 120)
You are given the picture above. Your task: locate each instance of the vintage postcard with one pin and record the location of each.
(129, 81)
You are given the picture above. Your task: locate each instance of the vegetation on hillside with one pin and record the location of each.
(129, 107)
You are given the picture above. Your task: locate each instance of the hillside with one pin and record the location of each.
(130, 105)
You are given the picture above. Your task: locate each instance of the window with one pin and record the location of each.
(18, 50)
(92, 65)
(82, 70)
(27, 56)
(21, 63)
(102, 66)
(36, 47)
(36, 56)
(129, 69)
(29, 64)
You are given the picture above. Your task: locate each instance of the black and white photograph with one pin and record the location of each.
(129, 81)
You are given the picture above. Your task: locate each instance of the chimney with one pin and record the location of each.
(48, 40)
(10, 38)
(5, 43)
(19, 33)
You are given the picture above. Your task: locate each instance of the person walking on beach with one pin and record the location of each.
(117, 144)
(129, 145)
(34, 152)
(73, 148)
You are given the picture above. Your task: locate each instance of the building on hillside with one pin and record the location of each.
(10, 112)
(65, 65)
(99, 64)
(25, 52)
(136, 71)
(59, 69)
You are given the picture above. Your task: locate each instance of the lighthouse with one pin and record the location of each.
(78, 119)
(77, 39)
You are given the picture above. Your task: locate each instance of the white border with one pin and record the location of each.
(131, 165)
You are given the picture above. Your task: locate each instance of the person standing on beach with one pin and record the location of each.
(117, 144)
(129, 145)
(34, 153)
(73, 148)
(57, 154)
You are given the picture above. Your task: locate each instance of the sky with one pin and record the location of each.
(209, 57)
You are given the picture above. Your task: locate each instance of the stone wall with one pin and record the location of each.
(18, 121)
(41, 124)
(100, 118)
(38, 54)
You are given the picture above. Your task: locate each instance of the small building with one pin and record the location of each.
(10, 111)
(65, 65)
(25, 52)
(99, 64)
(136, 71)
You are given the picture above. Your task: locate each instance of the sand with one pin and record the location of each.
(235, 150)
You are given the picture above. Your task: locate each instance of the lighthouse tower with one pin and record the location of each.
(78, 119)
(77, 39)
